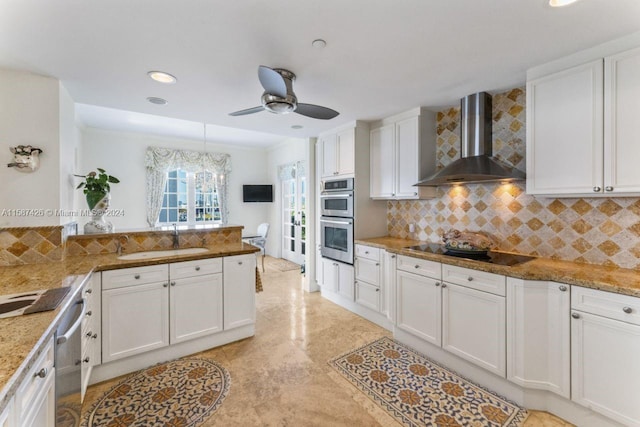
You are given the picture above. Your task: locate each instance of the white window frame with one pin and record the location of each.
(191, 202)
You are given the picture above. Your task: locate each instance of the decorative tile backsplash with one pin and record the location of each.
(591, 230)
(34, 245)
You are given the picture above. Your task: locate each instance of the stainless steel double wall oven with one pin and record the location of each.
(336, 222)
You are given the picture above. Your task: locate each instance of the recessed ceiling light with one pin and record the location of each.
(157, 101)
(297, 127)
(318, 43)
(162, 77)
(560, 3)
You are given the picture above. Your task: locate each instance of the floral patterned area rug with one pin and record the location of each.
(183, 392)
(418, 392)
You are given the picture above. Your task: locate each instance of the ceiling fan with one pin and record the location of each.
(278, 96)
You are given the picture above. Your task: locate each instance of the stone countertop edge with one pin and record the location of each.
(610, 279)
(77, 270)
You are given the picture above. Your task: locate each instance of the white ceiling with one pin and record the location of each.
(382, 56)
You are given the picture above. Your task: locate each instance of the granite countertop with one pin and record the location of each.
(22, 338)
(605, 278)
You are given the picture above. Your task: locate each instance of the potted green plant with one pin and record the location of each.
(96, 186)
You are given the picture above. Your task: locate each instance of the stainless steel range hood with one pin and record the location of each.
(475, 163)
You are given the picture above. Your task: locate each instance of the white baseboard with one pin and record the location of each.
(116, 368)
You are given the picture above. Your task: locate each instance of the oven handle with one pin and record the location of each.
(335, 196)
(64, 338)
(336, 222)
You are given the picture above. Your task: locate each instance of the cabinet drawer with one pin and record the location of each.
(198, 267)
(33, 383)
(368, 252)
(474, 279)
(419, 266)
(368, 296)
(134, 276)
(607, 304)
(368, 271)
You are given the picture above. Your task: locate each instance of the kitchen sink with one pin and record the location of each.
(161, 254)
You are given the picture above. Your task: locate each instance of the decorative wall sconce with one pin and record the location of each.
(26, 158)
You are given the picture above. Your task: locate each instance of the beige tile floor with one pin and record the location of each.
(280, 377)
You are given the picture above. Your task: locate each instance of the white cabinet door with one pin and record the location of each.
(135, 319)
(538, 335)
(196, 307)
(329, 155)
(346, 143)
(382, 152)
(473, 326)
(42, 413)
(605, 373)
(346, 282)
(621, 124)
(368, 270)
(407, 158)
(329, 275)
(565, 131)
(419, 308)
(239, 290)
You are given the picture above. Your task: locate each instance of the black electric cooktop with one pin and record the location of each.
(500, 258)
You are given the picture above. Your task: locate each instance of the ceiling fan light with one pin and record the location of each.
(162, 77)
(561, 3)
(279, 107)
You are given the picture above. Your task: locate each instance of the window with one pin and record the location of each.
(190, 198)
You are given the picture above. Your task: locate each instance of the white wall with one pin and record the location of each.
(122, 155)
(69, 140)
(29, 115)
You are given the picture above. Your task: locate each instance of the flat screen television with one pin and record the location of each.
(257, 193)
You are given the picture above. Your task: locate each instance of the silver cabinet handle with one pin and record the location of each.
(575, 315)
(197, 268)
(377, 290)
(335, 264)
(444, 285)
(470, 279)
(366, 252)
(417, 266)
(89, 313)
(377, 264)
(173, 283)
(597, 189)
(608, 188)
(137, 276)
(393, 256)
(41, 373)
(86, 360)
(627, 310)
(91, 335)
(415, 193)
(88, 291)
(562, 288)
(437, 283)
(239, 262)
(164, 285)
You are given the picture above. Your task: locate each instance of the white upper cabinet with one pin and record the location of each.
(338, 154)
(402, 151)
(582, 129)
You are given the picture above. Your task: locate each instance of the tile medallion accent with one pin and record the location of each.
(589, 230)
(418, 392)
(183, 392)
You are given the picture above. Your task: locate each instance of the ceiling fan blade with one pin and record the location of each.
(316, 111)
(247, 111)
(272, 82)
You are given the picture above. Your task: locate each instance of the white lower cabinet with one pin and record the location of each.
(538, 335)
(605, 344)
(339, 278)
(419, 306)
(186, 304)
(473, 326)
(35, 404)
(239, 291)
(368, 295)
(368, 276)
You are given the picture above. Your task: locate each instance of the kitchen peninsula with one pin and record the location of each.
(226, 262)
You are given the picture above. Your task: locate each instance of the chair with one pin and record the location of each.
(259, 240)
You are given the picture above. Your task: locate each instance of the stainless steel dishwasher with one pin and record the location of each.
(68, 353)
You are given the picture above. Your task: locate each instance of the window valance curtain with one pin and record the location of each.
(291, 170)
(158, 161)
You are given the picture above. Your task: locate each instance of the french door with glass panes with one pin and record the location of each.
(294, 226)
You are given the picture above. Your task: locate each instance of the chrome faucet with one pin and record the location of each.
(120, 242)
(176, 237)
